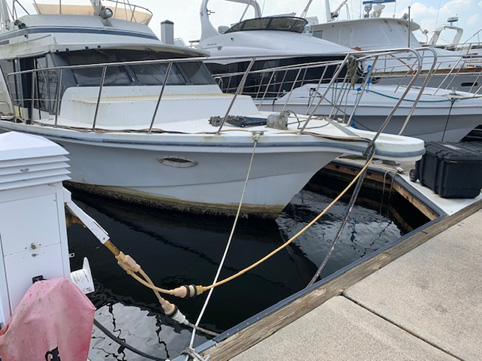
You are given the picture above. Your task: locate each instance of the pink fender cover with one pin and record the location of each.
(53, 321)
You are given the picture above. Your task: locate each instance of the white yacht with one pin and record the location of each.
(428, 114)
(277, 41)
(431, 114)
(145, 121)
(373, 31)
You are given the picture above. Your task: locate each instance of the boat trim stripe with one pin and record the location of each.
(74, 30)
(340, 148)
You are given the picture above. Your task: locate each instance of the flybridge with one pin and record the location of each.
(50, 27)
(107, 9)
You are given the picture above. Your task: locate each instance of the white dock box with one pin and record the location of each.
(33, 237)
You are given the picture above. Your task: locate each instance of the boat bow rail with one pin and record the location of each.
(353, 91)
(305, 86)
(94, 95)
(100, 98)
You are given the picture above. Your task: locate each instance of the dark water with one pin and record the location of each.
(176, 249)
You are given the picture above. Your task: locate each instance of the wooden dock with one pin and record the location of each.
(420, 299)
(426, 305)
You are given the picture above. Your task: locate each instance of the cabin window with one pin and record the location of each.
(35, 88)
(130, 74)
(88, 76)
(285, 24)
(280, 23)
(114, 75)
(8, 68)
(256, 24)
(318, 34)
(46, 85)
(21, 91)
(197, 73)
(154, 74)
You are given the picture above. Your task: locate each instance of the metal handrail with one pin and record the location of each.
(302, 77)
(424, 85)
(102, 81)
(57, 100)
(168, 72)
(238, 91)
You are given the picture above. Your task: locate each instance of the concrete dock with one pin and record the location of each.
(425, 305)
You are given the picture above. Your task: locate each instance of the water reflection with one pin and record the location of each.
(365, 232)
(176, 248)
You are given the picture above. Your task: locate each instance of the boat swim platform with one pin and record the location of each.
(418, 298)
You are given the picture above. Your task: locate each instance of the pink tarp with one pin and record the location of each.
(53, 321)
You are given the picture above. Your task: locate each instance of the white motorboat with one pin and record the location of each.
(439, 115)
(146, 130)
(374, 31)
(277, 41)
(431, 114)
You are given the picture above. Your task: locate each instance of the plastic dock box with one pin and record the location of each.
(453, 170)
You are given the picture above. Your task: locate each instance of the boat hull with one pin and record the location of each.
(206, 178)
(213, 185)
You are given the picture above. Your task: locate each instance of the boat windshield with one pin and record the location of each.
(280, 23)
(182, 73)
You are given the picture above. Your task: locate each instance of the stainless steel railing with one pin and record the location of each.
(329, 81)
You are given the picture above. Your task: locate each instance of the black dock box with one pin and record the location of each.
(453, 170)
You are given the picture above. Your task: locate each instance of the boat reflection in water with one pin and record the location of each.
(176, 249)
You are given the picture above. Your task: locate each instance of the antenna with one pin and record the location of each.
(452, 19)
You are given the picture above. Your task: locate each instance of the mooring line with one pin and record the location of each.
(351, 204)
(256, 136)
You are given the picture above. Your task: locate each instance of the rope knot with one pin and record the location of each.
(194, 355)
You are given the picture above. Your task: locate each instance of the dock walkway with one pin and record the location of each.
(425, 305)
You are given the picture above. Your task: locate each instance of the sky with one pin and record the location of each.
(428, 14)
